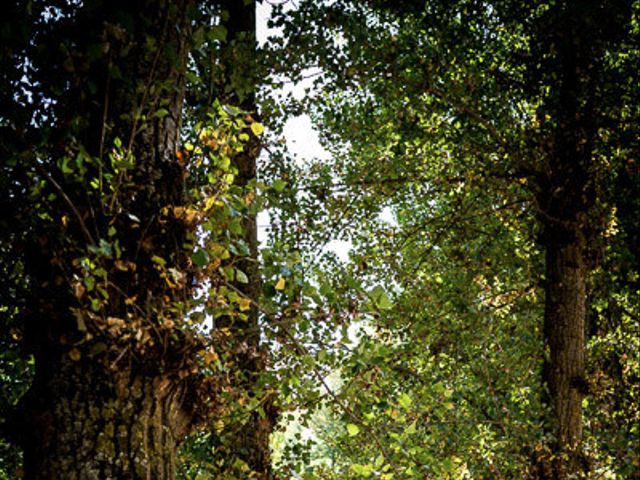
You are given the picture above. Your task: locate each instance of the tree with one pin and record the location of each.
(243, 446)
(101, 248)
(507, 106)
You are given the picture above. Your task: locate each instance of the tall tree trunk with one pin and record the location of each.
(250, 442)
(574, 41)
(113, 406)
(564, 329)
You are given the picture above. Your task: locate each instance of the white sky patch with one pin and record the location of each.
(303, 140)
(263, 12)
(387, 216)
(341, 248)
(264, 223)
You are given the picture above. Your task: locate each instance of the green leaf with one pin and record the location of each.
(243, 248)
(218, 32)
(323, 356)
(198, 37)
(405, 401)
(353, 429)
(411, 429)
(380, 298)
(241, 276)
(229, 273)
(235, 227)
(159, 260)
(64, 166)
(362, 470)
(95, 304)
(279, 185)
(224, 163)
(90, 283)
(200, 258)
(161, 113)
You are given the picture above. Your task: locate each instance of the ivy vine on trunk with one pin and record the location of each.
(107, 204)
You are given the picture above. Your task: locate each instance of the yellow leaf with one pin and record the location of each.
(218, 251)
(244, 304)
(280, 284)
(75, 354)
(257, 128)
(209, 203)
(210, 356)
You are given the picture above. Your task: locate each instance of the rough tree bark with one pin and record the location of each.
(87, 424)
(567, 198)
(120, 416)
(564, 331)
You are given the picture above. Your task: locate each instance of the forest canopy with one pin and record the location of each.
(478, 165)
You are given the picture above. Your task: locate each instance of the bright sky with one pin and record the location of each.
(301, 138)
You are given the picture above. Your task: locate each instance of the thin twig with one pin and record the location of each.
(73, 208)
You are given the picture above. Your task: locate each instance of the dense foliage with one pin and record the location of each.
(482, 157)
(444, 120)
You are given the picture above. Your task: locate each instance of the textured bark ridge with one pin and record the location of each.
(565, 313)
(88, 425)
(565, 320)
